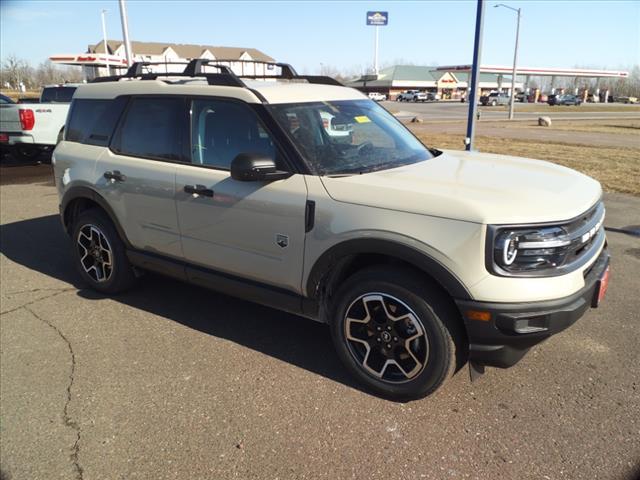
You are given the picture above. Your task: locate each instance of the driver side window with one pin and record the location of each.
(220, 130)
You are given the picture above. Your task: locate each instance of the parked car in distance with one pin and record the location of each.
(626, 99)
(494, 99)
(433, 96)
(564, 99)
(377, 96)
(412, 96)
(28, 129)
(419, 260)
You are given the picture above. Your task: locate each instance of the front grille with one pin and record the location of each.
(584, 232)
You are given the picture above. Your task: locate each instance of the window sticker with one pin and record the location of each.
(362, 119)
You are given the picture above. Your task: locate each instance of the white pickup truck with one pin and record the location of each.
(28, 129)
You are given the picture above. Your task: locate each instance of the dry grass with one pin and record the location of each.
(618, 169)
(622, 127)
(13, 95)
(585, 107)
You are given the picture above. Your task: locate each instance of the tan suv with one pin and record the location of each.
(419, 260)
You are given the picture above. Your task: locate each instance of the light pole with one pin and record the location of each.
(125, 32)
(474, 79)
(104, 37)
(515, 59)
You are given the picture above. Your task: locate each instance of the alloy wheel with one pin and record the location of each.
(386, 337)
(96, 257)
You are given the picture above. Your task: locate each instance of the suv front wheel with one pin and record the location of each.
(99, 253)
(390, 329)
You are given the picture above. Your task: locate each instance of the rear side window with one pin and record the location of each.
(152, 128)
(84, 115)
(57, 94)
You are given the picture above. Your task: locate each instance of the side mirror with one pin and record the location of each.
(255, 167)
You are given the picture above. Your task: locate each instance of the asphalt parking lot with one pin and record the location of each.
(172, 381)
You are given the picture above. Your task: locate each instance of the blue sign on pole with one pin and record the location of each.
(378, 19)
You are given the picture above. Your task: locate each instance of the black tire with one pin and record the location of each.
(387, 289)
(25, 153)
(119, 275)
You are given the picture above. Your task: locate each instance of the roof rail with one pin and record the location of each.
(225, 76)
(193, 68)
(287, 72)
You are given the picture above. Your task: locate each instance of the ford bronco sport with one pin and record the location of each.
(419, 260)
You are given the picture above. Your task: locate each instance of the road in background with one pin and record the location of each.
(458, 111)
(173, 381)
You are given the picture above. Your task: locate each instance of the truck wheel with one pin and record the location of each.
(99, 253)
(494, 103)
(390, 329)
(25, 153)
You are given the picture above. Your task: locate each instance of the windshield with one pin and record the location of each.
(349, 137)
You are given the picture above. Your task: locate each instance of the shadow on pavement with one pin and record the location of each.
(289, 338)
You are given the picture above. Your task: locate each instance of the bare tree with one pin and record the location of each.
(15, 72)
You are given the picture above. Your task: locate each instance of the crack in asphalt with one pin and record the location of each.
(67, 420)
(58, 291)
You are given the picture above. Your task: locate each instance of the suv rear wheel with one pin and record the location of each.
(100, 253)
(389, 329)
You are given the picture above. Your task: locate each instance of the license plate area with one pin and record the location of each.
(601, 287)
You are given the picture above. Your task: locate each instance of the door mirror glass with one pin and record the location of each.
(255, 167)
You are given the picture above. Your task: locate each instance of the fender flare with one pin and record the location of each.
(80, 192)
(330, 259)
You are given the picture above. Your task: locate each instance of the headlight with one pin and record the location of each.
(526, 250)
(545, 250)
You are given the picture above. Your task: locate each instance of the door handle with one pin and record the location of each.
(198, 190)
(114, 176)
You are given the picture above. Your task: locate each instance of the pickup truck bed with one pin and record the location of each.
(28, 129)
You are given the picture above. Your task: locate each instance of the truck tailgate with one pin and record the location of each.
(10, 118)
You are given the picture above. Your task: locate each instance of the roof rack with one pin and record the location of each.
(193, 68)
(225, 76)
(287, 72)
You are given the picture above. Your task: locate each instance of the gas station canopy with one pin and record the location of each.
(90, 59)
(540, 72)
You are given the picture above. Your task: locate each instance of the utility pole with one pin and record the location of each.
(474, 78)
(104, 37)
(515, 59)
(125, 32)
(375, 54)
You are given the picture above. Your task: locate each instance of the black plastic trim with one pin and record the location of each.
(79, 192)
(225, 283)
(499, 341)
(309, 216)
(420, 260)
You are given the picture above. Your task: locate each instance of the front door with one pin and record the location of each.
(254, 230)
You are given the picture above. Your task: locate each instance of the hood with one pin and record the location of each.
(475, 187)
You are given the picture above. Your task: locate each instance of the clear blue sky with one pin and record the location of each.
(553, 33)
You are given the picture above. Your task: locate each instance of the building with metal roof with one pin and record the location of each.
(393, 80)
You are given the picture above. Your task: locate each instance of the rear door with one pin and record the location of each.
(254, 230)
(137, 173)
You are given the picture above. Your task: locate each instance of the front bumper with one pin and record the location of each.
(502, 333)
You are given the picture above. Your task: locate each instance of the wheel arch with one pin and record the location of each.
(345, 258)
(80, 198)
